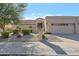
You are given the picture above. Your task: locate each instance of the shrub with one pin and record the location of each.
(5, 34)
(15, 31)
(43, 36)
(29, 29)
(26, 31)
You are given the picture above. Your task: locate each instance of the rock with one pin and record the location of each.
(10, 34)
(20, 35)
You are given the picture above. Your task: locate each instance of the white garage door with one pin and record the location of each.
(62, 28)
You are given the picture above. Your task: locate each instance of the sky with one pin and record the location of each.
(36, 10)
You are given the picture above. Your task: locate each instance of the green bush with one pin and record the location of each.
(29, 29)
(43, 36)
(5, 34)
(15, 31)
(26, 31)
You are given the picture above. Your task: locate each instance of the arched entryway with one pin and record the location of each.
(40, 25)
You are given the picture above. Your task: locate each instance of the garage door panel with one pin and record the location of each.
(62, 29)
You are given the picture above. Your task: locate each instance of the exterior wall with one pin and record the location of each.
(60, 19)
(45, 26)
(10, 27)
(28, 23)
(77, 24)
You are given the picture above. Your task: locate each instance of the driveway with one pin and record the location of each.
(74, 37)
(69, 43)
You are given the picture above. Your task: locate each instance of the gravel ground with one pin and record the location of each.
(27, 48)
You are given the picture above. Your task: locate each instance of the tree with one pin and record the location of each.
(10, 13)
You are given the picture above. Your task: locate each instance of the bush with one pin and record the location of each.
(26, 31)
(15, 31)
(43, 36)
(5, 34)
(29, 29)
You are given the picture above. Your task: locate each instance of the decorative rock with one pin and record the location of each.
(10, 34)
(20, 35)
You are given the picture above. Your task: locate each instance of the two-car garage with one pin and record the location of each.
(62, 24)
(62, 28)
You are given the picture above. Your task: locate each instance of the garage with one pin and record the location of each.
(62, 28)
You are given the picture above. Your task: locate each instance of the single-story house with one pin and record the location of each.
(53, 24)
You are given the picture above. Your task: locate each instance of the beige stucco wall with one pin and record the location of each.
(60, 19)
(27, 23)
(77, 24)
(10, 27)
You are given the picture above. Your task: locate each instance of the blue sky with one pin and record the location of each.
(35, 10)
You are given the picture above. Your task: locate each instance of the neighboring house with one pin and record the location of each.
(53, 24)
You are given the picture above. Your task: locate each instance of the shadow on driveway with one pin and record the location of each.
(56, 48)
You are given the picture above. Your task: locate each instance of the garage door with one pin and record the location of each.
(62, 28)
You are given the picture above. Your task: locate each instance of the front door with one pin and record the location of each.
(39, 26)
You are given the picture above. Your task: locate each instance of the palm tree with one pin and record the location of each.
(10, 12)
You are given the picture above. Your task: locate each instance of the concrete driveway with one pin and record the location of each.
(69, 43)
(74, 37)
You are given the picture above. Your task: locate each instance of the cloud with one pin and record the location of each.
(53, 15)
(33, 16)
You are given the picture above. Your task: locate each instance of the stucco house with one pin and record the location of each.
(53, 24)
